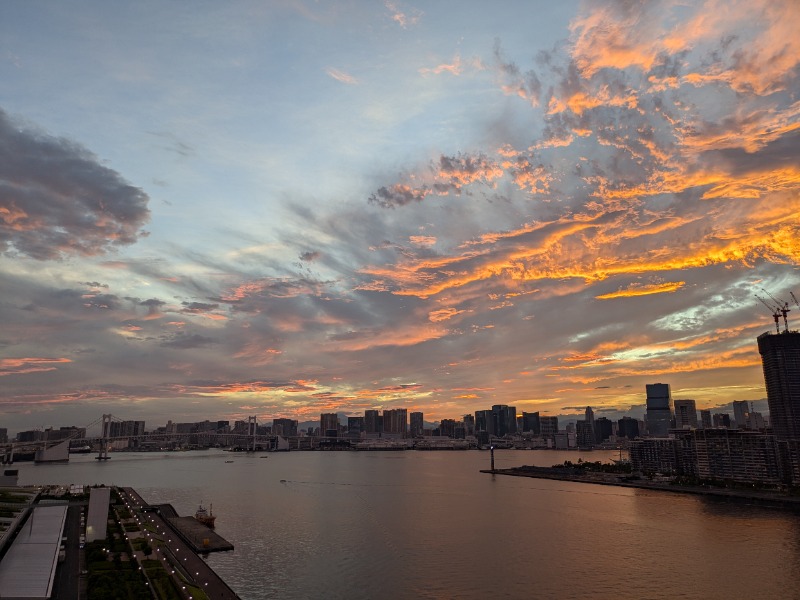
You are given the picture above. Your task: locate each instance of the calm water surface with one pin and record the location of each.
(429, 525)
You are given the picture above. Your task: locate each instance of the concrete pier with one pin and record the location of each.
(199, 537)
(180, 550)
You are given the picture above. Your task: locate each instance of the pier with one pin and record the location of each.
(199, 537)
(180, 550)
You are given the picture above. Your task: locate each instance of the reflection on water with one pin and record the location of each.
(429, 525)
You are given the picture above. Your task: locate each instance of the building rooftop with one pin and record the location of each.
(28, 569)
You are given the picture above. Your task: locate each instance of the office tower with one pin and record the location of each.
(469, 425)
(284, 427)
(3, 435)
(780, 357)
(685, 414)
(447, 428)
(373, 422)
(530, 423)
(705, 419)
(585, 435)
(755, 421)
(329, 425)
(628, 427)
(549, 426)
(483, 420)
(505, 419)
(659, 409)
(603, 429)
(395, 421)
(125, 428)
(417, 424)
(741, 413)
(721, 420)
(355, 425)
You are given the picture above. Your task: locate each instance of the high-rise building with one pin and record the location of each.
(741, 413)
(505, 419)
(721, 420)
(125, 428)
(549, 426)
(329, 425)
(780, 358)
(585, 435)
(469, 424)
(530, 423)
(628, 427)
(373, 422)
(355, 425)
(417, 424)
(486, 421)
(284, 427)
(447, 428)
(603, 429)
(685, 414)
(705, 419)
(395, 421)
(659, 409)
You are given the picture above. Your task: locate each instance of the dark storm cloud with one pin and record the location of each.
(56, 199)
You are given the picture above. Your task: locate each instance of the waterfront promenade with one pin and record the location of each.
(174, 551)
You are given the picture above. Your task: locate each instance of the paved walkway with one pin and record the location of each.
(175, 552)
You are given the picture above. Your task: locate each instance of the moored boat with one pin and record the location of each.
(206, 517)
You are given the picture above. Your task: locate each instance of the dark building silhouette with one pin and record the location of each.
(530, 423)
(447, 428)
(628, 427)
(585, 435)
(395, 421)
(373, 422)
(417, 424)
(355, 425)
(284, 427)
(658, 416)
(603, 428)
(780, 358)
(505, 419)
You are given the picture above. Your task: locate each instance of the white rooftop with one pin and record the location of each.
(28, 569)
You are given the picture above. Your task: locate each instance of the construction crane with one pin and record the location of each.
(776, 312)
(795, 299)
(782, 307)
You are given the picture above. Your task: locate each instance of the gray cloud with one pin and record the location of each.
(56, 199)
(187, 341)
(309, 256)
(198, 307)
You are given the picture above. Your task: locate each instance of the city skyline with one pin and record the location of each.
(288, 209)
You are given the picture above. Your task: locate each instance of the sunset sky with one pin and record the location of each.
(222, 209)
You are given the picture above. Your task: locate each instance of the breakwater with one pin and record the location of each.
(773, 499)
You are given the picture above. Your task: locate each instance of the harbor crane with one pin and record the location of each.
(776, 312)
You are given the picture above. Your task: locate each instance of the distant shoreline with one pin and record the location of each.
(761, 498)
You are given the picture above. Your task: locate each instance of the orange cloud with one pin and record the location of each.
(20, 366)
(644, 290)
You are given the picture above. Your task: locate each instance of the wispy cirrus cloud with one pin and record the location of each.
(341, 76)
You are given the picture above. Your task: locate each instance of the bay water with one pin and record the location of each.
(411, 524)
